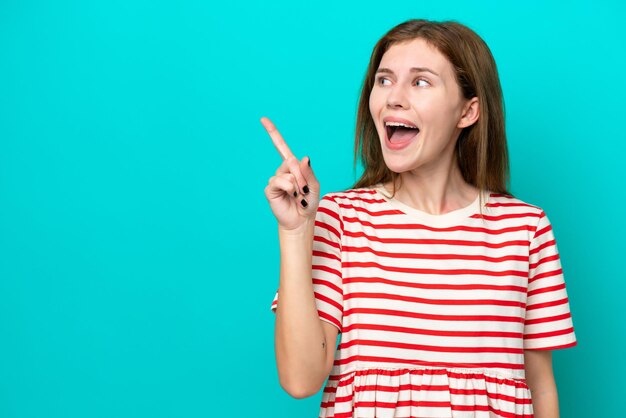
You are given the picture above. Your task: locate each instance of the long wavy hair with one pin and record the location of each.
(481, 149)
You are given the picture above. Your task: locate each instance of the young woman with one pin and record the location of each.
(446, 290)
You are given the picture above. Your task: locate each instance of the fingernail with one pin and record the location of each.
(305, 189)
(304, 203)
(295, 194)
(309, 162)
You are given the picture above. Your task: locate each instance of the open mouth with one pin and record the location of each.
(398, 133)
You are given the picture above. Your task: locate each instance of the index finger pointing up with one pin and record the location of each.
(277, 138)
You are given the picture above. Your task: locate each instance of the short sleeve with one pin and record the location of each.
(548, 324)
(326, 263)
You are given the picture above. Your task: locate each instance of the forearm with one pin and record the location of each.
(299, 336)
(546, 404)
(541, 382)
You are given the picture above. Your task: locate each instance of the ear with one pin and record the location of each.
(471, 112)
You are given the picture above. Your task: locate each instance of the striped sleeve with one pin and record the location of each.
(548, 323)
(326, 263)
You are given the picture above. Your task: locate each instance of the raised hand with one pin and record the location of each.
(293, 192)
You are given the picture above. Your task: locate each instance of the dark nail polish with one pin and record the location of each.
(309, 162)
(305, 189)
(304, 203)
(295, 194)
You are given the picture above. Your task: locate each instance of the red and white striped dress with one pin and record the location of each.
(435, 311)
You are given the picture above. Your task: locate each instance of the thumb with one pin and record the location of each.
(307, 172)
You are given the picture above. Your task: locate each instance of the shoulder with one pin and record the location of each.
(505, 205)
(359, 197)
(515, 212)
(352, 203)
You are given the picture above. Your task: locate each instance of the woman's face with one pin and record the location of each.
(415, 86)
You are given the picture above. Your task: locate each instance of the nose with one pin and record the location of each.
(397, 98)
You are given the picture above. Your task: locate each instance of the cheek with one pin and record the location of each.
(432, 108)
(376, 106)
(375, 103)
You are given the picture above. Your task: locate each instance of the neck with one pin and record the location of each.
(435, 190)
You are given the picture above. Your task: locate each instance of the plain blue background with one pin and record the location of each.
(138, 255)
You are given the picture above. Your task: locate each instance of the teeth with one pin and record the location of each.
(400, 124)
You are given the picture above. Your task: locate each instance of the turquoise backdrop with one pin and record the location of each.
(138, 255)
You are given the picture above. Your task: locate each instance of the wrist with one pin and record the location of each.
(305, 230)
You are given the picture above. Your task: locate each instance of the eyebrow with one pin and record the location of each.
(413, 70)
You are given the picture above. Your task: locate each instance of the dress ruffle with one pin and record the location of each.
(425, 393)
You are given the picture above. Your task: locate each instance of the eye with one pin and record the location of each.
(424, 80)
(380, 80)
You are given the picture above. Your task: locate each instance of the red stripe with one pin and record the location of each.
(543, 260)
(435, 286)
(422, 331)
(328, 300)
(445, 302)
(405, 226)
(342, 399)
(546, 244)
(483, 392)
(359, 191)
(415, 362)
(340, 219)
(326, 255)
(431, 404)
(466, 243)
(542, 231)
(424, 347)
(329, 228)
(490, 408)
(511, 205)
(516, 383)
(548, 319)
(418, 256)
(362, 199)
(391, 312)
(329, 211)
(327, 241)
(547, 304)
(328, 284)
(393, 405)
(446, 272)
(556, 347)
(347, 379)
(436, 388)
(322, 267)
(547, 289)
(507, 216)
(565, 331)
(371, 213)
(399, 388)
(541, 216)
(330, 318)
(546, 274)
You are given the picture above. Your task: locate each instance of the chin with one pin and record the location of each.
(399, 164)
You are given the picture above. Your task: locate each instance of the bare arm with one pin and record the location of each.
(540, 380)
(305, 345)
